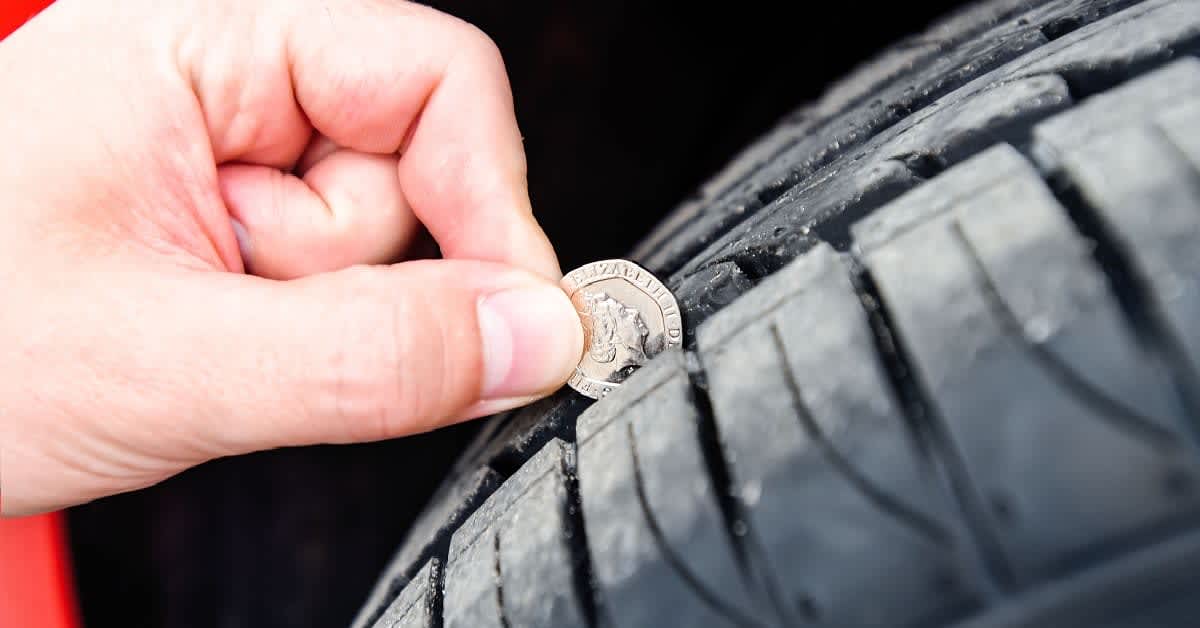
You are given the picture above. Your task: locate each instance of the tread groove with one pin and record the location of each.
(1083, 84)
(884, 502)
(437, 593)
(989, 563)
(1062, 26)
(896, 369)
(583, 576)
(1133, 293)
(499, 575)
(834, 230)
(1112, 410)
(677, 565)
(739, 529)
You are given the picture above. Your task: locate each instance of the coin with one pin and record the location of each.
(628, 317)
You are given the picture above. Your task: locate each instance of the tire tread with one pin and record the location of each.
(927, 381)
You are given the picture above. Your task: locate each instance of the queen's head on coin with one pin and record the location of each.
(618, 333)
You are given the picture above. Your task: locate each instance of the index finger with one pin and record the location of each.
(387, 77)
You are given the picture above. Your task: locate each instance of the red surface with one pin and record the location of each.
(36, 587)
(13, 13)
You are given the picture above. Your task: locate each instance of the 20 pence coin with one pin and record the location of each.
(628, 317)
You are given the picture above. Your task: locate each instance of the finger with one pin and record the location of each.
(380, 76)
(348, 209)
(376, 352)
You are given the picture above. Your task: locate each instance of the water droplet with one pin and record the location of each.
(1038, 328)
(739, 528)
(751, 493)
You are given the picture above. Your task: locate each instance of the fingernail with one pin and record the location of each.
(532, 339)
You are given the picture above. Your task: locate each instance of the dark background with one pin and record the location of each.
(626, 107)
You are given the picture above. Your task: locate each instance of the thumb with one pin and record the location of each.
(382, 351)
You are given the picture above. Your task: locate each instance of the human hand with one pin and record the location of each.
(141, 137)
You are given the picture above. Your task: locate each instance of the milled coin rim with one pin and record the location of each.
(641, 279)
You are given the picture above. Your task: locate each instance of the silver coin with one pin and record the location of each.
(628, 317)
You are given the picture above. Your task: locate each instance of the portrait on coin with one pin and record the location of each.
(618, 333)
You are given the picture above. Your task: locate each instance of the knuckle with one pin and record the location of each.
(480, 46)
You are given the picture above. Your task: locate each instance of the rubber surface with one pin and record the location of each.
(940, 367)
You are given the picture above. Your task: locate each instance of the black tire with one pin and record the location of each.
(941, 367)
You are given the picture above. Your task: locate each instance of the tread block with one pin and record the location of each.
(918, 206)
(536, 563)
(498, 574)
(832, 192)
(1059, 467)
(1106, 52)
(529, 428)
(1143, 186)
(447, 509)
(472, 578)
(710, 290)
(942, 133)
(677, 541)
(1182, 126)
(965, 126)
(843, 502)
(1042, 280)
(416, 605)
(1125, 105)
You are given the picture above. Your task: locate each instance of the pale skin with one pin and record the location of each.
(207, 207)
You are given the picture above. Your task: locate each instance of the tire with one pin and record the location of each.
(940, 367)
